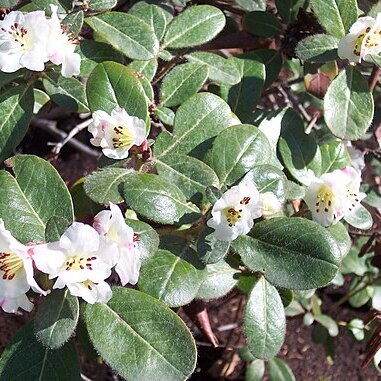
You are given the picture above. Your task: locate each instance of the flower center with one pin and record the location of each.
(10, 264)
(373, 39)
(79, 263)
(89, 284)
(123, 137)
(18, 34)
(69, 36)
(325, 199)
(232, 215)
(358, 42)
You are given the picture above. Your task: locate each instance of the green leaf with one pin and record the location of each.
(105, 185)
(318, 48)
(94, 52)
(73, 23)
(352, 263)
(286, 9)
(252, 5)
(340, 235)
(349, 93)
(291, 252)
(298, 150)
(268, 179)
(195, 26)
(250, 88)
(148, 239)
(255, 370)
(26, 359)
(361, 292)
(153, 342)
(182, 82)
(356, 327)
(272, 60)
(262, 24)
(56, 319)
(102, 4)
(221, 70)
(190, 175)
(173, 277)
(209, 249)
(236, 150)
(55, 227)
(21, 198)
(328, 323)
(360, 218)
(264, 321)
(152, 15)
(336, 16)
(201, 117)
(166, 115)
(16, 111)
(146, 68)
(66, 92)
(111, 84)
(334, 155)
(156, 198)
(126, 33)
(220, 280)
(280, 371)
(40, 100)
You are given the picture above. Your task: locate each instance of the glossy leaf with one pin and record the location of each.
(195, 26)
(73, 23)
(166, 115)
(105, 185)
(340, 234)
(172, 276)
(219, 281)
(291, 252)
(126, 33)
(55, 227)
(111, 84)
(348, 105)
(68, 93)
(334, 155)
(21, 198)
(16, 111)
(272, 59)
(336, 16)
(56, 319)
(209, 249)
(148, 239)
(318, 48)
(252, 5)
(94, 52)
(152, 15)
(156, 198)
(244, 96)
(360, 218)
(221, 70)
(198, 119)
(298, 150)
(190, 175)
(264, 321)
(153, 344)
(280, 371)
(262, 24)
(26, 359)
(236, 150)
(146, 68)
(255, 370)
(102, 4)
(182, 82)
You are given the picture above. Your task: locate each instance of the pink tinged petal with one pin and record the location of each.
(49, 258)
(102, 222)
(140, 131)
(28, 266)
(71, 65)
(11, 305)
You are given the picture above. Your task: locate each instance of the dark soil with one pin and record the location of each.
(306, 358)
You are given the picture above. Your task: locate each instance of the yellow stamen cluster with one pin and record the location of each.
(123, 138)
(325, 196)
(10, 264)
(232, 215)
(79, 263)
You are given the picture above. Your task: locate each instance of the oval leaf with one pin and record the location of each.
(318, 48)
(264, 321)
(280, 371)
(262, 24)
(153, 342)
(291, 252)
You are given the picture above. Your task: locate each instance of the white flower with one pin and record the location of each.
(16, 273)
(116, 133)
(23, 41)
(233, 213)
(111, 225)
(80, 260)
(334, 195)
(364, 38)
(61, 46)
(271, 204)
(357, 157)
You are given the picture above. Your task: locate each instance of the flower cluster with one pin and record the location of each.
(116, 133)
(234, 213)
(334, 195)
(30, 40)
(364, 38)
(81, 261)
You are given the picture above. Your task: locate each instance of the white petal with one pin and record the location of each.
(128, 266)
(80, 238)
(361, 24)
(11, 305)
(71, 65)
(49, 258)
(140, 131)
(346, 48)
